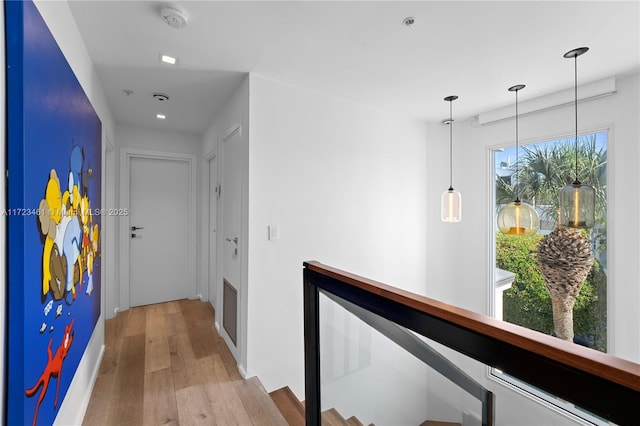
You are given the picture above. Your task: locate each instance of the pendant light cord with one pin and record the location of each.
(517, 160)
(574, 54)
(450, 99)
(517, 88)
(451, 145)
(575, 88)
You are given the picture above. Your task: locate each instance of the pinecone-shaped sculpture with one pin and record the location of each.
(564, 258)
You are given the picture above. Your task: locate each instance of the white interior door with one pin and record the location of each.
(213, 224)
(232, 250)
(159, 235)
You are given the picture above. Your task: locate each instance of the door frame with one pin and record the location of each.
(107, 239)
(126, 154)
(238, 350)
(212, 289)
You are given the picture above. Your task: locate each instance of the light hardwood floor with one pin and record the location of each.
(165, 364)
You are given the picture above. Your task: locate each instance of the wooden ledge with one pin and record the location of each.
(608, 367)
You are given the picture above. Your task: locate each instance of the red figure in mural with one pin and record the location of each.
(52, 369)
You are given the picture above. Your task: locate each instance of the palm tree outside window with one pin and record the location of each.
(544, 168)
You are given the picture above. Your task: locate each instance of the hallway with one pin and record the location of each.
(165, 364)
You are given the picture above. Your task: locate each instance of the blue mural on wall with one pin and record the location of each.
(54, 189)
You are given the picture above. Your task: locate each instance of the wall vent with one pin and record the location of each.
(230, 310)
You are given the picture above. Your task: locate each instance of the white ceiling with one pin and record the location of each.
(354, 50)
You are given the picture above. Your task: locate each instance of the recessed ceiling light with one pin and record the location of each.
(161, 116)
(168, 59)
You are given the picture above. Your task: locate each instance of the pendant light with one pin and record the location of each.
(577, 200)
(518, 218)
(451, 203)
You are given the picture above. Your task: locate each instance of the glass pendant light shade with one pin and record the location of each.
(518, 218)
(577, 200)
(451, 201)
(577, 205)
(451, 206)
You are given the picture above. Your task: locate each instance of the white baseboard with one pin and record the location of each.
(242, 371)
(74, 406)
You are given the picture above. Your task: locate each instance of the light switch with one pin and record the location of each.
(274, 232)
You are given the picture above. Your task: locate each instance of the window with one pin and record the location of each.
(520, 295)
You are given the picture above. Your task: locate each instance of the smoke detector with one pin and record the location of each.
(160, 97)
(174, 15)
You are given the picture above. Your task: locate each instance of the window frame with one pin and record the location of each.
(560, 406)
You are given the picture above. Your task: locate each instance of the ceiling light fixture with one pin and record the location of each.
(518, 218)
(577, 200)
(168, 59)
(161, 116)
(451, 201)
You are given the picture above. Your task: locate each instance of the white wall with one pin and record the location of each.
(347, 186)
(235, 111)
(461, 265)
(61, 24)
(143, 138)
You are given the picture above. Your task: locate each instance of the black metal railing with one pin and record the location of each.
(600, 383)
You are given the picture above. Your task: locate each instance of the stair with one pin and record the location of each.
(257, 403)
(293, 410)
(353, 421)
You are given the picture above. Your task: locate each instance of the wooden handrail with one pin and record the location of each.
(611, 368)
(613, 380)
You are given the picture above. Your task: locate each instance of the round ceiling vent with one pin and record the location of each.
(160, 97)
(174, 15)
(409, 21)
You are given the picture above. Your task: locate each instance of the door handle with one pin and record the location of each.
(235, 241)
(133, 235)
(133, 228)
